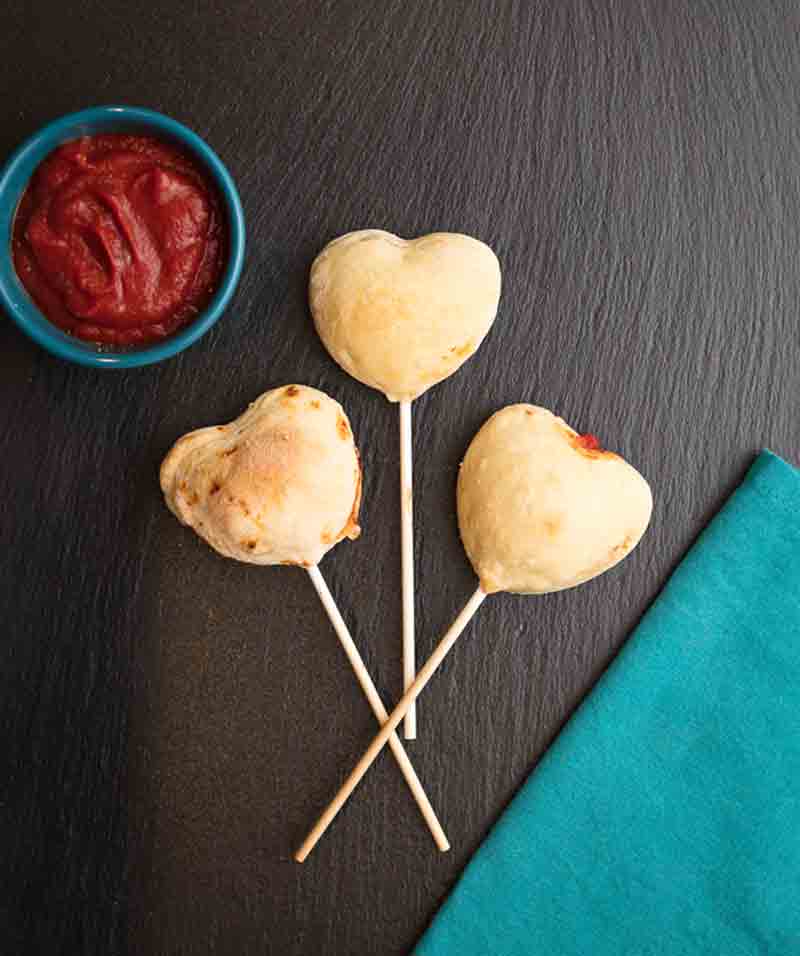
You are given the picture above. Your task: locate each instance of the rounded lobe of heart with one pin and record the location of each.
(401, 315)
(281, 484)
(541, 508)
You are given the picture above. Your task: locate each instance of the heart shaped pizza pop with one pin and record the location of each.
(540, 508)
(401, 315)
(281, 484)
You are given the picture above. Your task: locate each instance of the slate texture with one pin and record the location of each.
(171, 723)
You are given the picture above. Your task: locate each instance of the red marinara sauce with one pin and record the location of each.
(588, 442)
(120, 239)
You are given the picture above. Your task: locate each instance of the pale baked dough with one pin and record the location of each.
(539, 511)
(281, 484)
(400, 315)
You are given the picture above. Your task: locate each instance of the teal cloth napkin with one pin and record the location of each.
(665, 819)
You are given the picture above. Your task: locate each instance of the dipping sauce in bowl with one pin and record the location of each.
(120, 239)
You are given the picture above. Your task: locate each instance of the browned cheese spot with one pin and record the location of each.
(292, 390)
(342, 428)
(552, 526)
(623, 547)
(315, 404)
(251, 545)
(352, 529)
(244, 506)
(615, 554)
(216, 487)
(228, 452)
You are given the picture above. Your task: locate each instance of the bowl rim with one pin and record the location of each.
(33, 322)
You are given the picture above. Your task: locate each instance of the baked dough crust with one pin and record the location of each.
(401, 315)
(541, 511)
(281, 484)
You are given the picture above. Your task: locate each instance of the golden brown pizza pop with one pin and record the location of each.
(281, 484)
(401, 315)
(540, 508)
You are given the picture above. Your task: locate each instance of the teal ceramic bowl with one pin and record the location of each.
(16, 175)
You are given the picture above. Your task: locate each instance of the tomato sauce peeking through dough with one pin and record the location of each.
(588, 442)
(120, 239)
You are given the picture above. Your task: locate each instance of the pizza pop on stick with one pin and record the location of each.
(401, 315)
(281, 484)
(540, 508)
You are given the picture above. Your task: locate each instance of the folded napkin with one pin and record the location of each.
(665, 819)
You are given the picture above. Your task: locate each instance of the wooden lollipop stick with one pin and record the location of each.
(422, 678)
(407, 551)
(379, 710)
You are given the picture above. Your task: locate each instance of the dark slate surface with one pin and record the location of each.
(171, 723)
